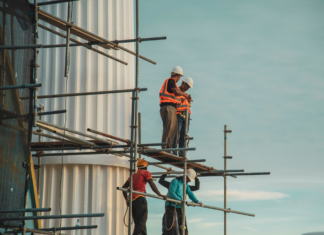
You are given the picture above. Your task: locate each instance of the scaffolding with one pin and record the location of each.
(66, 139)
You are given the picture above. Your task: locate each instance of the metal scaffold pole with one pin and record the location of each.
(183, 227)
(134, 124)
(225, 177)
(35, 62)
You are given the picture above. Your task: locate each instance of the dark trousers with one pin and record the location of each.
(170, 219)
(180, 135)
(139, 212)
(169, 118)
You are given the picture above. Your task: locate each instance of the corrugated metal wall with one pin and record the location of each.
(86, 189)
(89, 71)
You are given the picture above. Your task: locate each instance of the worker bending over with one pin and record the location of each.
(179, 137)
(139, 204)
(176, 192)
(168, 102)
(166, 184)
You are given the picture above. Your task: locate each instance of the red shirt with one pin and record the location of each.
(139, 182)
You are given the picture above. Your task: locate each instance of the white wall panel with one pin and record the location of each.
(89, 71)
(85, 189)
(88, 182)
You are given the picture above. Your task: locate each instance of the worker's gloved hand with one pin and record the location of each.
(201, 204)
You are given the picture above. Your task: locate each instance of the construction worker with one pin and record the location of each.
(139, 204)
(176, 192)
(168, 102)
(179, 137)
(166, 184)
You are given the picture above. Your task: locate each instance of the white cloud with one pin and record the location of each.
(249, 228)
(195, 220)
(239, 195)
(207, 225)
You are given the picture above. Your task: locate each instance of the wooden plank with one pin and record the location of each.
(33, 190)
(75, 30)
(166, 157)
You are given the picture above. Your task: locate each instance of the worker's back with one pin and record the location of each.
(139, 181)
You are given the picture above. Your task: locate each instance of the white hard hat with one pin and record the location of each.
(191, 173)
(189, 81)
(177, 70)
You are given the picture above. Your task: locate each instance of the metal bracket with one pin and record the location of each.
(135, 98)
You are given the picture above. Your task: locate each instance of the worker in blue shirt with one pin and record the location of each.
(176, 192)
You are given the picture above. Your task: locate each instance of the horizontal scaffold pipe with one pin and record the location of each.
(226, 174)
(70, 228)
(16, 47)
(111, 152)
(212, 171)
(84, 148)
(54, 2)
(53, 217)
(21, 86)
(189, 161)
(102, 43)
(26, 210)
(84, 93)
(187, 203)
(51, 112)
(81, 44)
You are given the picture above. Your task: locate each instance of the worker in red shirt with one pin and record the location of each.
(139, 203)
(169, 99)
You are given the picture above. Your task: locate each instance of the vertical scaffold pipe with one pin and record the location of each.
(225, 179)
(35, 62)
(134, 118)
(68, 33)
(184, 177)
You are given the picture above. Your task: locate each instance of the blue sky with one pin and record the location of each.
(258, 68)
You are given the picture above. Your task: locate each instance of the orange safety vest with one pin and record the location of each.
(165, 96)
(183, 106)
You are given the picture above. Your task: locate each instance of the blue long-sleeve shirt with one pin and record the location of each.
(176, 192)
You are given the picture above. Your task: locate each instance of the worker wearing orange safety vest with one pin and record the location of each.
(187, 83)
(169, 99)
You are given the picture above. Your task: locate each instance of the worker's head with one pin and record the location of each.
(142, 164)
(177, 73)
(191, 175)
(187, 83)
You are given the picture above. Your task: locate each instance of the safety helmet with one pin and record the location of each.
(142, 163)
(189, 81)
(177, 70)
(191, 173)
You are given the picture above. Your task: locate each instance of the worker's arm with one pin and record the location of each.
(191, 195)
(155, 189)
(163, 182)
(196, 186)
(178, 92)
(126, 185)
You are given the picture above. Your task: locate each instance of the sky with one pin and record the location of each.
(257, 68)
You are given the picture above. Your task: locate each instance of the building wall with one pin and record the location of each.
(85, 189)
(88, 182)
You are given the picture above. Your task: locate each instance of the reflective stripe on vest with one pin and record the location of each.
(165, 96)
(183, 106)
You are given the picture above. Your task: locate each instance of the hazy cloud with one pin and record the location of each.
(240, 195)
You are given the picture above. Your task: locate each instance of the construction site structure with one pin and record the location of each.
(99, 97)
